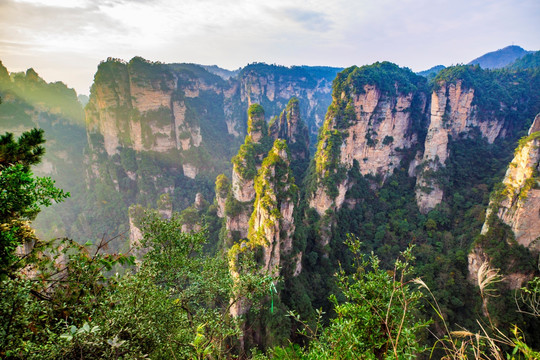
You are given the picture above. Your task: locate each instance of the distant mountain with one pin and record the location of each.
(500, 58)
(223, 73)
(431, 72)
(529, 61)
(83, 99)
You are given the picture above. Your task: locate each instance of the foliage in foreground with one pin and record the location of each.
(378, 319)
(61, 300)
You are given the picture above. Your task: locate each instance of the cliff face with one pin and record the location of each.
(261, 202)
(518, 204)
(139, 105)
(158, 128)
(272, 223)
(453, 116)
(370, 122)
(245, 166)
(272, 86)
(289, 127)
(237, 204)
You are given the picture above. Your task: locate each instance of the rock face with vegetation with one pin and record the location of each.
(261, 204)
(453, 115)
(272, 223)
(374, 117)
(158, 128)
(290, 127)
(469, 103)
(235, 199)
(513, 216)
(142, 106)
(27, 101)
(519, 203)
(239, 202)
(270, 238)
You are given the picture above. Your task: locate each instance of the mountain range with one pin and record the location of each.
(286, 162)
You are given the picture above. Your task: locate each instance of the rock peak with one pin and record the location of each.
(257, 127)
(290, 127)
(535, 125)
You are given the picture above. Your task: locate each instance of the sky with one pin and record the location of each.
(64, 40)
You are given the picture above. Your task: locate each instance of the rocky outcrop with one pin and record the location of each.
(272, 86)
(369, 122)
(136, 215)
(453, 116)
(518, 204)
(136, 105)
(223, 189)
(245, 166)
(271, 226)
(290, 127)
(272, 223)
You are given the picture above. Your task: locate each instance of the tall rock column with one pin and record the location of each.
(245, 166)
(271, 225)
(290, 126)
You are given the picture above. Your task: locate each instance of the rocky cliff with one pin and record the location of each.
(513, 215)
(239, 202)
(290, 127)
(272, 223)
(142, 106)
(158, 128)
(518, 203)
(453, 116)
(371, 121)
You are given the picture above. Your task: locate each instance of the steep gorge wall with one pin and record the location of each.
(141, 106)
(158, 128)
(453, 116)
(370, 122)
(517, 205)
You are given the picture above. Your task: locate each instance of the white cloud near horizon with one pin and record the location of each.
(65, 39)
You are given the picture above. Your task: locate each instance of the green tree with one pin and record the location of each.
(379, 318)
(201, 286)
(21, 195)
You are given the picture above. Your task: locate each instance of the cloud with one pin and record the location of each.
(45, 25)
(232, 33)
(307, 19)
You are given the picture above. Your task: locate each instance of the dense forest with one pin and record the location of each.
(172, 238)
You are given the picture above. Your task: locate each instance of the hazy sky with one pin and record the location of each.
(66, 39)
